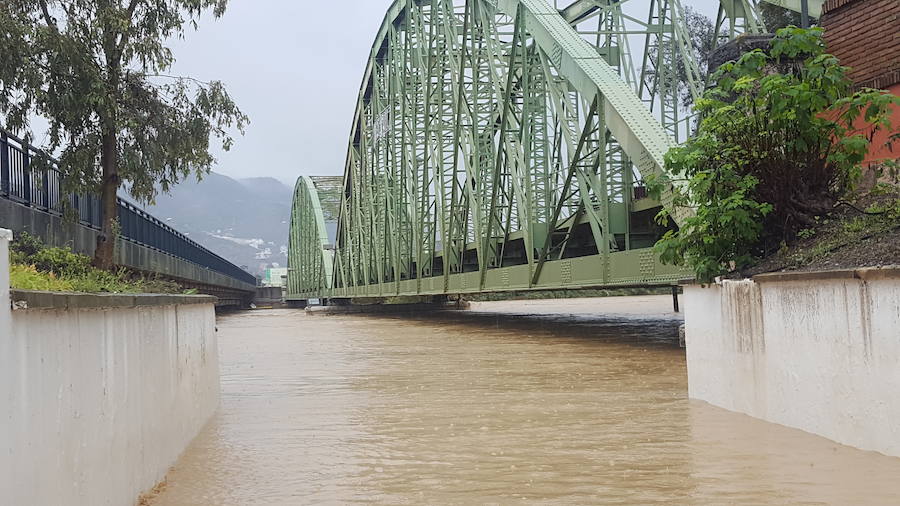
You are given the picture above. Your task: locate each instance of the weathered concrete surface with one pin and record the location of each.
(817, 351)
(269, 296)
(5, 315)
(54, 230)
(27, 299)
(98, 403)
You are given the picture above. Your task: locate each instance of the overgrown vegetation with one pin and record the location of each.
(775, 153)
(36, 267)
(863, 232)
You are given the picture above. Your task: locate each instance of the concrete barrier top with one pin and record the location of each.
(864, 273)
(31, 300)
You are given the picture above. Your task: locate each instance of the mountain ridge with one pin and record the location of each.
(243, 220)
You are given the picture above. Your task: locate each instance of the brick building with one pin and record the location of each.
(865, 36)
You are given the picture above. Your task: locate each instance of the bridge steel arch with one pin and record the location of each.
(310, 259)
(494, 148)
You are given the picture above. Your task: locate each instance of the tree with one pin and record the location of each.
(776, 148)
(700, 44)
(96, 70)
(701, 31)
(776, 17)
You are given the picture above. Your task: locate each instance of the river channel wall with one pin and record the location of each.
(815, 351)
(101, 394)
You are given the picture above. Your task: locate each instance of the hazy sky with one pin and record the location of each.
(295, 67)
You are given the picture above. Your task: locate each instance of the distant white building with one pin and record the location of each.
(275, 277)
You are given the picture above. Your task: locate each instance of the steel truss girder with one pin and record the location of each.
(487, 138)
(310, 264)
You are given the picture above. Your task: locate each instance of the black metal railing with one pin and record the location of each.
(39, 186)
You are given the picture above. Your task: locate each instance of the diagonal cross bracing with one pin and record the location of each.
(494, 147)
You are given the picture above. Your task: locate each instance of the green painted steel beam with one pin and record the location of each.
(495, 146)
(310, 263)
(815, 6)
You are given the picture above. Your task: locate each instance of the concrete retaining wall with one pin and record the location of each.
(100, 394)
(815, 351)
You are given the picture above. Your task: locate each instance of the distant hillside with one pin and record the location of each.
(246, 221)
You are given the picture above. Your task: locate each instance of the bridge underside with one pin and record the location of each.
(620, 269)
(505, 145)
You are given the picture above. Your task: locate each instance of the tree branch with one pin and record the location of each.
(51, 22)
(120, 47)
(180, 78)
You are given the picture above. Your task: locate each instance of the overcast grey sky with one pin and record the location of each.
(295, 67)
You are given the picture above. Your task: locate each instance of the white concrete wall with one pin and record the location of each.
(821, 354)
(99, 403)
(5, 316)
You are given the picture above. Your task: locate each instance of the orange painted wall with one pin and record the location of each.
(865, 36)
(878, 151)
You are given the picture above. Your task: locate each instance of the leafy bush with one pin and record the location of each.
(61, 261)
(35, 267)
(26, 244)
(775, 149)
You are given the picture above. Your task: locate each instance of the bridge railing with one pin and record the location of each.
(39, 186)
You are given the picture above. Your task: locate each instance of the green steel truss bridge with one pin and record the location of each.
(502, 145)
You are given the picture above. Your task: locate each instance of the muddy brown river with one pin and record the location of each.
(540, 402)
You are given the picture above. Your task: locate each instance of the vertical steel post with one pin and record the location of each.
(26, 176)
(45, 188)
(675, 298)
(804, 14)
(4, 164)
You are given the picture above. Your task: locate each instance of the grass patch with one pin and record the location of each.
(862, 233)
(34, 266)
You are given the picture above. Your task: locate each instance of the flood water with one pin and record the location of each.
(554, 402)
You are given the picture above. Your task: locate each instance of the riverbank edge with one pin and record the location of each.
(39, 300)
(818, 351)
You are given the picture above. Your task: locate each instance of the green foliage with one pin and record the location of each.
(95, 68)
(702, 42)
(26, 244)
(806, 233)
(27, 277)
(890, 210)
(98, 73)
(35, 267)
(776, 148)
(61, 261)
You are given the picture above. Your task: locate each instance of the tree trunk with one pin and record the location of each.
(109, 207)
